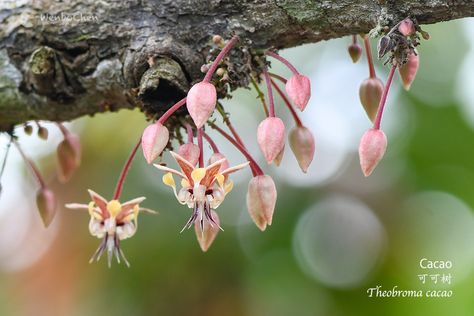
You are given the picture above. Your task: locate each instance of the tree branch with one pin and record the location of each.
(62, 60)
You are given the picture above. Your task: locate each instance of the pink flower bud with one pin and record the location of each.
(190, 152)
(154, 140)
(69, 156)
(279, 158)
(355, 51)
(261, 199)
(408, 70)
(298, 88)
(47, 204)
(209, 232)
(370, 92)
(216, 157)
(302, 145)
(201, 102)
(371, 149)
(407, 27)
(271, 137)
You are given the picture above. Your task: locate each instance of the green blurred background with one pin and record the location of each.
(335, 233)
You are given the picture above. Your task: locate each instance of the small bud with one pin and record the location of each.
(370, 92)
(271, 137)
(371, 149)
(302, 145)
(279, 158)
(43, 132)
(408, 70)
(425, 35)
(407, 27)
(28, 129)
(69, 156)
(154, 140)
(47, 204)
(298, 88)
(190, 152)
(201, 102)
(220, 72)
(384, 46)
(216, 157)
(261, 200)
(355, 51)
(217, 40)
(206, 236)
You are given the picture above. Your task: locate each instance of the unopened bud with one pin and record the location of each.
(43, 132)
(371, 149)
(298, 88)
(154, 140)
(271, 137)
(407, 27)
(47, 204)
(218, 40)
(190, 152)
(279, 158)
(409, 69)
(425, 35)
(261, 200)
(28, 129)
(216, 157)
(370, 93)
(69, 156)
(355, 51)
(201, 102)
(208, 233)
(302, 145)
(220, 72)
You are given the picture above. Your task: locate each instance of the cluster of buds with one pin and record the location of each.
(203, 188)
(399, 43)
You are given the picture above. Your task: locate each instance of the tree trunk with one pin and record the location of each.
(62, 60)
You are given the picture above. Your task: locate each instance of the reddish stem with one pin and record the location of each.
(354, 39)
(256, 170)
(211, 142)
(171, 110)
(228, 46)
(284, 61)
(369, 57)
(63, 129)
(189, 130)
(126, 167)
(31, 164)
(278, 77)
(288, 104)
(270, 93)
(201, 151)
(378, 118)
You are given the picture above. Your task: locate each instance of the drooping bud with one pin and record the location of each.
(47, 204)
(371, 149)
(69, 156)
(408, 70)
(42, 132)
(279, 158)
(271, 137)
(355, 51)
(209, 231)
(261, 200)
(201, 102)
(28, 129)
(302, 145)
(406, 27)
(154, 140)
(370, 92)
(298, 88)
(190, 152)
(216, 157)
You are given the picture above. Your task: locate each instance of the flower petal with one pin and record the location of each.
(166, 169)
(235, 168)
(185, 165)
(100, 202)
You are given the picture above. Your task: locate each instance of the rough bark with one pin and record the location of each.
(146, 53)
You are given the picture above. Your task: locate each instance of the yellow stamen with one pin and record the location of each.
(185, 183)
(228, 186)
(220, 179)
(114, 207)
